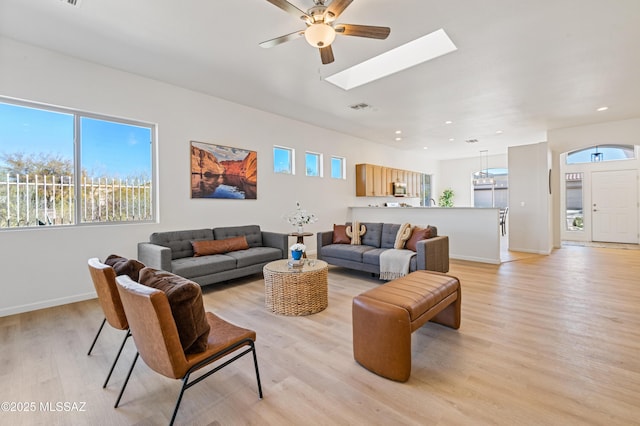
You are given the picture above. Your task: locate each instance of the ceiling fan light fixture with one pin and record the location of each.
(320, 35)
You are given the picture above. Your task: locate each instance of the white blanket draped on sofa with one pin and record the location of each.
(394, 263)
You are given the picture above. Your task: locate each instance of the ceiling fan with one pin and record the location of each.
(321, 26)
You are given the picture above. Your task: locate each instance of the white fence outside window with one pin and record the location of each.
(27, 200)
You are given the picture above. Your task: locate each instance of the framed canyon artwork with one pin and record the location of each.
(219, 171)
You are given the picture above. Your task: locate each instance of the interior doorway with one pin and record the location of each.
(614, 206)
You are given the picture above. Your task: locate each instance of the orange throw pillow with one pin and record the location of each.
(419, 234)
(208, 247)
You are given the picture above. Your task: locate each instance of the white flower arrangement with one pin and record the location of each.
(300, 216)
(298, 247)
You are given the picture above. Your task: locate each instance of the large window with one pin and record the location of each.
(283, 160)
(491, 188)
(65, 167)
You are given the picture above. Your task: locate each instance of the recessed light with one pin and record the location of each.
(426, 147)
(498, 132)
(398, 132)
(398, 139)
(448, 122)
(604, 108)
(451, 139)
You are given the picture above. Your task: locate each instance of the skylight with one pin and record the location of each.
(398, 59)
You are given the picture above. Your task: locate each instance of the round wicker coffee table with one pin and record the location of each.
(295, 291)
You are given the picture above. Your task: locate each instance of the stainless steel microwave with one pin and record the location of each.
(399, 189)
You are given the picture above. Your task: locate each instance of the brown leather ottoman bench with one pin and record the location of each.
(384, 318)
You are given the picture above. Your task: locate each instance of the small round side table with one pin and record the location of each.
(300, 239)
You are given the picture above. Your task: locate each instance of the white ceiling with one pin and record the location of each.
(521, 67)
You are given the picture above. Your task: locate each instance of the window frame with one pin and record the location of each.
(625, 148)
(318, 163)
(574, 181)
(77, 178)
(343, 167)
(292, 164)
(497, 181)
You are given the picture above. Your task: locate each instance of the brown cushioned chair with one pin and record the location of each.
(156, 336)
(104, 280)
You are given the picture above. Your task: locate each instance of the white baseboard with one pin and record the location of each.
(46, 304)
(475, 259)
(545, 252)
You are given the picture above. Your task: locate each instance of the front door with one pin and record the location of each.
(614, 206)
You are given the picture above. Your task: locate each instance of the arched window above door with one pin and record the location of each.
(598, 153)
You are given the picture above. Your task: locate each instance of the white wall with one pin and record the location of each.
(47, 266)
(616, 132)
(530, 225)
(458, 175)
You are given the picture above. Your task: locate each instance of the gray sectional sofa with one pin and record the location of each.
(431, 254)
(173, 252)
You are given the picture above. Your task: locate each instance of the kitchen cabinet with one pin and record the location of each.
(413, 184)
(377, 181)
(370, 180)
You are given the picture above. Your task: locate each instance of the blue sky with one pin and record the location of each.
(281, 160)
(221, 152)
(609, 153)
(108, 148)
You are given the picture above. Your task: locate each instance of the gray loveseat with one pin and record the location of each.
(173, 252)
(431, 254)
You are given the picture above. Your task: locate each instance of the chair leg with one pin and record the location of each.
(95, 339)
(255, 363)
(124, 385)
(116, 360)
(185, 380)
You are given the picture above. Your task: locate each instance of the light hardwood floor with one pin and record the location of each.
(545, 340)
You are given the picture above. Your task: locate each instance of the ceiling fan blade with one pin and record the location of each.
(326, 54)
(363, 31)
(337, 7)
(289, 8)
(282, 39)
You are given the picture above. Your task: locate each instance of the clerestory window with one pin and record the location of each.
(313, 164)
(283, 160)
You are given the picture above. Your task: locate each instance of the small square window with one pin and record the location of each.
(313, 164)
(283, 160)
(338, 167)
